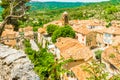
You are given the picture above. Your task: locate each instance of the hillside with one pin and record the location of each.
(104, 10)
(54, 5)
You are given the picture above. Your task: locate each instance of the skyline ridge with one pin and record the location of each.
(70, 0)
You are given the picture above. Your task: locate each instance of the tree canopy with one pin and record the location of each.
(13, 10)
(45, 64)
(65, 31)
(51, 28)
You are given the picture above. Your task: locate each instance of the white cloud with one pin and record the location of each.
(72, 0)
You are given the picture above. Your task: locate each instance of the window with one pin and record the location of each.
(82, 39)
(107, 35)
(114, 35)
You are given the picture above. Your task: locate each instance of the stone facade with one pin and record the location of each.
(15, 65)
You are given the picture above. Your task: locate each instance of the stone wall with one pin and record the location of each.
(15, 65)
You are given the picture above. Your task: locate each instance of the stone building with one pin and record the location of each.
(68, 48)
(28, 32)
(9, 36)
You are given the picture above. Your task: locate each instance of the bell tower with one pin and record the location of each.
(65, 18)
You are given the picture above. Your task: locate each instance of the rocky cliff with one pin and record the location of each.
(15, 65)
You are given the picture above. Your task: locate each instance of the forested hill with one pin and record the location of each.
(54, 5)
(104, 10)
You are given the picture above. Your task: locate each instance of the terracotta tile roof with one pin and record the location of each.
(96, 22)
(80, 73)
(112, 30)
(71, 48)
(116, 40)
(93, 22)
(20, 30)
(8, 32)
(100, 31)
(112, 55)
(9, 27)
(29, 28)
(58, 22)
(28, 32)
(42, 30)
(77, 52)
(65, 43)
(82, 30)
(79, 23)
(115, 23)
(10, 35)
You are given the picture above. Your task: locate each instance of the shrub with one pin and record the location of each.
(98, 54)
(51, 28)
(65, 31)
(27, 43)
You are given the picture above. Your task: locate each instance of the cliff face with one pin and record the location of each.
(15, 65)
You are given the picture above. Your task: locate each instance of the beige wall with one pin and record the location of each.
(81, 38)
(99, 39)
(91, 39)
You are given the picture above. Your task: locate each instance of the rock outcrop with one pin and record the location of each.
(15, 65)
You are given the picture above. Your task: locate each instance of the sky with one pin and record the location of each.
(71, 0)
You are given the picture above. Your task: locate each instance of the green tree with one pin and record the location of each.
(111, 10)
(115, 77)
(51, 28)
(65, 31)
(47, 67)
(14, 10)
(98, 54)
(45, 64)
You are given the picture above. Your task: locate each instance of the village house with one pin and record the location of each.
(111, 58)
(86, 37)
(9, 27)
(71, 48)
(9, 36)
(115, 23)
(81, 34)
(85, 30)
(27, 32)
(109, 34)
(99, 38)
(68, 48)
(96, 25)
(79, 72)
(43, 37)
(89, 24)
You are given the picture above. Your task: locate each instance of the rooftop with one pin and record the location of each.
(79, 72)
(112, 55)
(112, 30)
(42, 30)
(71, 48)
(81, 30)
